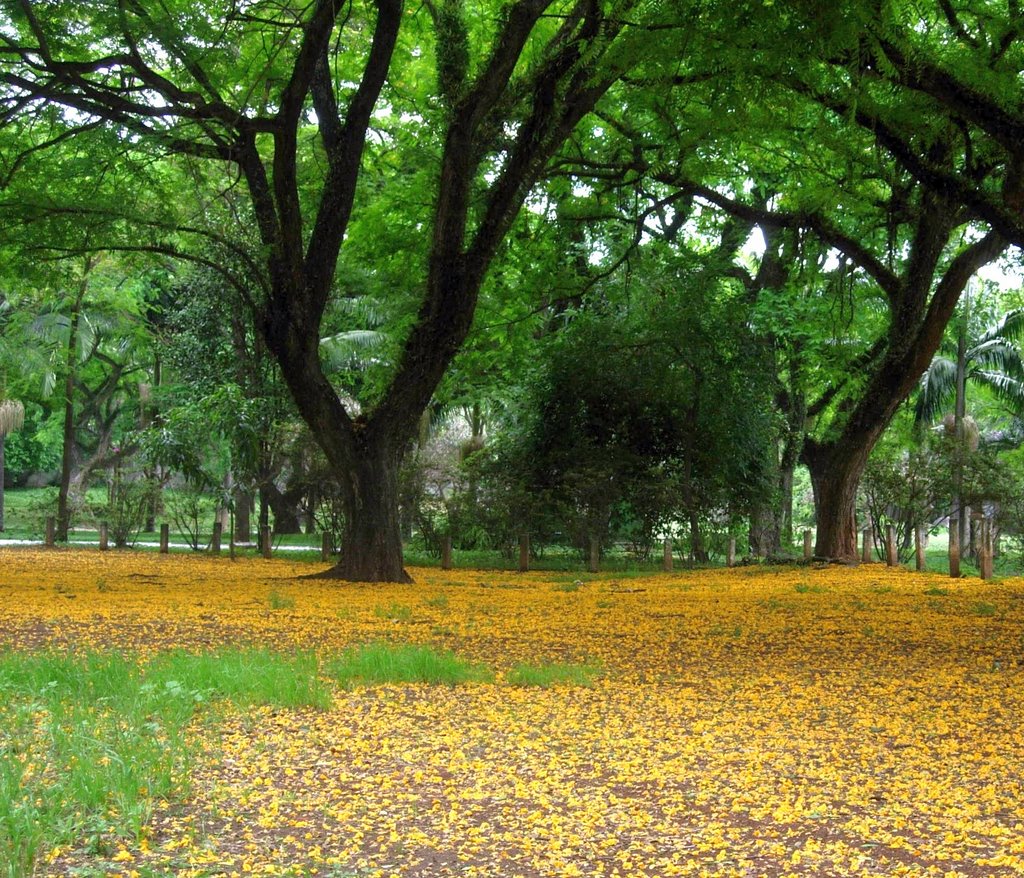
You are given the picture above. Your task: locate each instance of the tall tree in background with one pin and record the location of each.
(12, 417)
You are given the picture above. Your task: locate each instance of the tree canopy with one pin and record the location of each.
(370, 189)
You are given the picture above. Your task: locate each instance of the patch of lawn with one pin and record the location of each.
(89, 742)
(548, 675)
(378, 663)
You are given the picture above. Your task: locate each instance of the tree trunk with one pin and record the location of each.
(371, 548)
(68, 442)
(959, 413)
(264, 517)
(835, 474)
(764, 531)
(243, 511)
(697, 550)
(285, 506)
(2, 439)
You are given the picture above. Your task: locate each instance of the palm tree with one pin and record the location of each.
(990, 358)
(12, 417)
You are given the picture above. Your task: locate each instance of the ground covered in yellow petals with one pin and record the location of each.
(754, 722)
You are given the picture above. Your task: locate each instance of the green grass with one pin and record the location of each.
(279, 601)
(89, 742)
(379, 663)
(395, 612)
(555, 674)
(576, 585)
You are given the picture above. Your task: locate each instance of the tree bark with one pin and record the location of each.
(3, 437)
(285, 506)
(243, 512)
(68, 442)
(371, 549)
(835, 474)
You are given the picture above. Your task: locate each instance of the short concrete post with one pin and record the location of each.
(865, 548)
(265, 545)
(165, 539)
(51, 530)
(446, 552)
(890, 545)
(666, 556)
(808, 551)
(730, 553)
(919, 546)
(954, 547)
(326, 549)
(524, 553)
(218, 536)
(104, 540)
(594, 561)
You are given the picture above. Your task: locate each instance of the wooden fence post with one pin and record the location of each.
(326, 549)
(265, 545)
(218, 536)
(954, 547)
(865, 548)
(808, 552)
(104, 540)
(666, 555)
(524, 553)
(51, 530)
(446, 552)
(919, 546)
(890, 545)
(730, 553)
(165, 539)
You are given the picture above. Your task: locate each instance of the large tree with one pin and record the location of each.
(248, 86)
(894, 140)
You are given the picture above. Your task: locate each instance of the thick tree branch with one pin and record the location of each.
(886, 279)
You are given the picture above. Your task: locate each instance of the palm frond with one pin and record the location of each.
(937, 389)
(1006, 388)
(345, 349)
(997, 354)
(1010, 327)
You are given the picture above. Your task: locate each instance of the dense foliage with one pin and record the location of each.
(660, 258)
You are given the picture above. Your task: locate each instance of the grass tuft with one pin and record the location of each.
(548, 675)
(378, 663)
(279, 601)
(395, 612)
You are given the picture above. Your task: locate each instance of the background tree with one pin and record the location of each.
(12, 417)
(985, 356)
